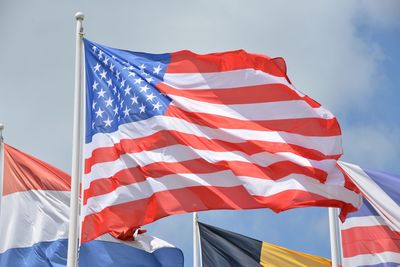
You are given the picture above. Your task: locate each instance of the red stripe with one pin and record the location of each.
(198, 166)
(369, 240)
(242, 95)
(189, 62)
(23, 172)
(303, 126)
(122, 217)
(168, 138)
(348, 183)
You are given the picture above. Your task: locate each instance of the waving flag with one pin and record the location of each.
(34, 223)
(371, 236)
(181, 132)
(222, 248)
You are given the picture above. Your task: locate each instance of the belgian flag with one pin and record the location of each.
(221, 248)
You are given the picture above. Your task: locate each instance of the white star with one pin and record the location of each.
(103, 75)
(92, 125)
(142, 108)
(122, 103)
(131, 74)
(99, 113)
(100, 54)
(117, 75)
(157, 106)
(123, 83)
(150, 79)
(114, 57)
(156, 70)
(134, 99)
(95, 84)
(150, 97)
(144, 88)
(109, 102)
(105, 61)
(112, 67)
(126, 111)
(115, 110)
(109, 82)
(127, 90)
(108, 122)
(119, 96)
(142, 67)
(94, 105)
(138, 81)
(114, 89)
(94, 48)
(97, 67)
(101, 93)
(130, 68)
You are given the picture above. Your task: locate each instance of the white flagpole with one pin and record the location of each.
(340, 241)
(333, 233)
(195, 240)
(72, 260)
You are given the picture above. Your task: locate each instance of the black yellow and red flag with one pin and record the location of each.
(222, 248)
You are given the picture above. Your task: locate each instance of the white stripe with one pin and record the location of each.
(328, 145)
(179, 153)
(34, 216)
(255, 186)
(364, 221)
(293, 109)
(371, 259)
(221, 80)
(143, 241)
(382, 203)
(147, 188)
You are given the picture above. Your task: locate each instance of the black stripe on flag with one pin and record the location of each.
(224, 248)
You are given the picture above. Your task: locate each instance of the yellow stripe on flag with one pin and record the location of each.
(276, 256)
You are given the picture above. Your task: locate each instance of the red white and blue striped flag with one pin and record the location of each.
(34, 216)
(182, 132)
(371, 235)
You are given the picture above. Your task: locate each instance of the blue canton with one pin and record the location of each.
(120, 87)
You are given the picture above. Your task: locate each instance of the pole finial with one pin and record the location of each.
(79, 16)
(1, 135)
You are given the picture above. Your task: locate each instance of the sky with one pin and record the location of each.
(344, 54)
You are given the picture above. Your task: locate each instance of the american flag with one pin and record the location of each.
(371, 235)
(181, 132)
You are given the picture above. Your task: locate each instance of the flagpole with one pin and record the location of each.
(333, 233)
(340, 256)
(76, 148)
(195, 240)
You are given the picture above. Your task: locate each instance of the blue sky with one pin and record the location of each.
(344, 54)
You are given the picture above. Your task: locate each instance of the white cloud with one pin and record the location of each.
(373, 146)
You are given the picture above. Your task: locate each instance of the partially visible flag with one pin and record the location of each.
(146, 250)
(371, 236)
(34, 223)
(222, 248)
(182, 132)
